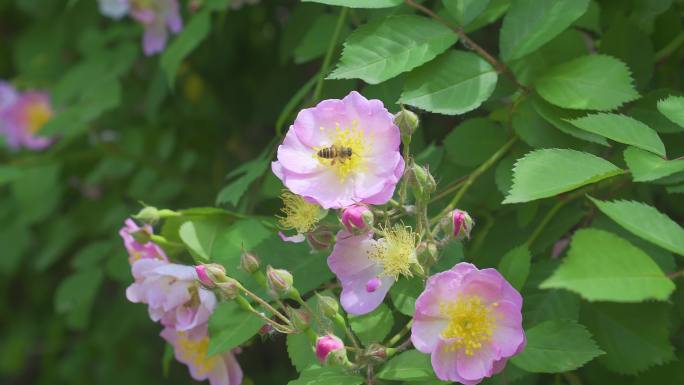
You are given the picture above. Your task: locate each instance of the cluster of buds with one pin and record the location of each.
(213, 276)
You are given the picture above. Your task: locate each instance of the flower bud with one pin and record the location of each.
(423, 183)
(327, 305)
(357, 218)
(266, 330)
(320, 239)
(152, 215)
(249, 263)
(376, 353)
(279, 280)
(210, 274)
(301, 318)
(326, 345)
(460, 224)
(229, 289)
(407, 121)
(142, 235)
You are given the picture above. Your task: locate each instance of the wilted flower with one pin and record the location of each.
(22, 115)
(368, 268)
(140, 250)
(172, 294)
(342, 152)
(326, 345)
(298, 215)
(470, 321)
(191, 348)
(155, 15)
(357, 218)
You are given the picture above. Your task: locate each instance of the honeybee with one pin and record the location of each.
(335, 153)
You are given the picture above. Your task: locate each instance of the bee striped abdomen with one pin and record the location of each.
(335, 153)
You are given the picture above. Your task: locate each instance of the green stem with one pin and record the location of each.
(266, 305)
(294, 102)
(544, 222)
(328, 55)
(670, 47)
(397, 337)
(339, 321)
(473, 177)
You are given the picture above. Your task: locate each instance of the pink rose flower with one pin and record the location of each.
(327, 344)
(190, 348)
(172, 293)
(367, 268)
(356, 218)
(22, 115)
(157, 16)
(342, 152)
(470, 321)
(136, 250)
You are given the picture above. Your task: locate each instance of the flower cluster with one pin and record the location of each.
(22, 115)
(343, 157)
(157, 16)
(176, 299)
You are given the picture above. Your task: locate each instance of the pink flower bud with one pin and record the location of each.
(279, 280)
(462, 223)
(327, 344)
(210, 274)
(357, 218)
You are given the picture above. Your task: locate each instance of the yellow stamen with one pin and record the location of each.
(195, 353)
(37, 115)
(396, 252)
(347, 137)
(298, 213)
(471, 322)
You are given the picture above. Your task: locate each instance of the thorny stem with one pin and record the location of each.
(469, 43)
(328, 55)
(448, 190)
(266, 305)
(339, 320)
(247, 306)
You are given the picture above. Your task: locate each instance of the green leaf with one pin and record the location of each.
(38, 191)
(374, 326)
(359, 3)
(230, 326)
(317, 38)
(243, 177)
(76, 294)
(474, 141)
(646, 166)
(328, 375)
(601, 266)
(548, 172)
(191, 37)
(646, 110)
(515, 266)
(673, 109)
(559, 119)
(645, 222)
(16, 238)
(408, 366)
(199, 235)
(623, 129)
(634, 336)
(300, 351)
(627, 42)
(593, 82)
(529, 24)
(534, 130)
(465, 11)
(452, 84)
(556, 346)
(404, 294)
(384, 48)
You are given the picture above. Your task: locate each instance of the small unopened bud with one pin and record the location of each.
(279, 280)
(301, 318)
(249, 263)
(460, 224)
(266, 330)
(229, 289)
(327, 305)
(407, 121)
(423, 182)
(326, 345)
(148, 214)
(376, 352)
(320, 239)
(210, 274)
(357, 218)
(141, 236)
